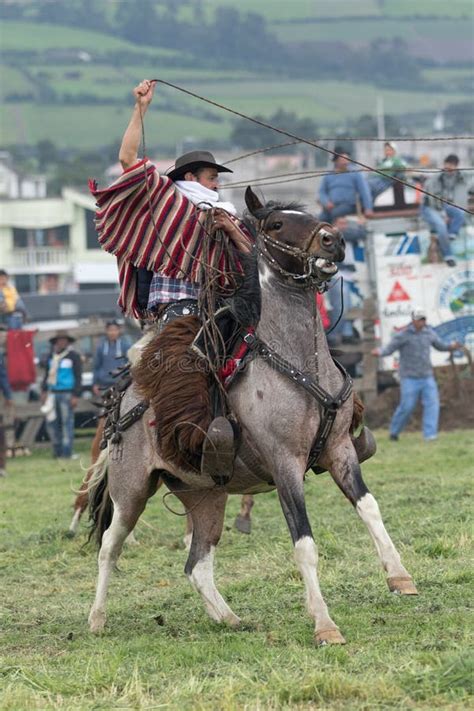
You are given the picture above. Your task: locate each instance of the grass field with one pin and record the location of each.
(161, 651)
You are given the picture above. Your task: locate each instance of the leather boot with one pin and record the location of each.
(364, 445)
(218, 451)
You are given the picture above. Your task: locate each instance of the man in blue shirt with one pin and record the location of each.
(61, 389)
(111, 353)
(340, 191)
(416, 374)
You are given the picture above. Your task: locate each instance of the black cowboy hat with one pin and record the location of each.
(61, 334)
(195, 159)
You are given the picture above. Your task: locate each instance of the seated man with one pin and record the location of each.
(169, 233)
(446, 220)
(392, 165)
(340, 191)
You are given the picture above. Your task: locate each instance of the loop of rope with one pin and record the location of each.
(307, 141)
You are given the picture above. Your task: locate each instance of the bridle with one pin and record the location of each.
(312, 276)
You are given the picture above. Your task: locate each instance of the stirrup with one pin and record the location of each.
(218, 451)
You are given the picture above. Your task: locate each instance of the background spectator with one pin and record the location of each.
(12, 308)
(416, 374)
(111, 353)
(446, 220)
(340, 191)
(60, 392)
(7, 394)
(392, 164)
(353, 233)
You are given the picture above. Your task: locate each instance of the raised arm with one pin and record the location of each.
(128, 153)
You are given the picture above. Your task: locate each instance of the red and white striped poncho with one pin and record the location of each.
(172, 246)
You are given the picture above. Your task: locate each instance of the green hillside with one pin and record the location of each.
(73, 86)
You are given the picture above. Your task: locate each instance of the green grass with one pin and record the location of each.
(90, 126)
(161, 651)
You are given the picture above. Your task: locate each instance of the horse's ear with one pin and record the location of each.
(252, 201)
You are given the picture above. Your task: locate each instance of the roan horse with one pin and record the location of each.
(278, 420)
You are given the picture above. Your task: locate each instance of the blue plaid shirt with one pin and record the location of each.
(164, 290)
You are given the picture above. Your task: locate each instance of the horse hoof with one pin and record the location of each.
(332, 636)
(402, 586)
(69, 534)
(242, 524)
(232, 620)
(131, 540)
(96, 622)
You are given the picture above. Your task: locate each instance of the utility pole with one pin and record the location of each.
(380, 118)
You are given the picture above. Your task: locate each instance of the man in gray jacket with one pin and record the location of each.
(446, 220)
(416, 374)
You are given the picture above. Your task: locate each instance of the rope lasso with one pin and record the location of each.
(307, 141)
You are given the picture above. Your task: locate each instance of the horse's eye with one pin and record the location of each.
(276, 225)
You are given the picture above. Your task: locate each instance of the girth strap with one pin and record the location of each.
(330, 404)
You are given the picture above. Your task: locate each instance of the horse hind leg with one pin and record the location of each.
(207, 512)
(346, 472)
(123, 523)
(243, 522)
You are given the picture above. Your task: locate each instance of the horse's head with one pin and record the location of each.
(293, 242)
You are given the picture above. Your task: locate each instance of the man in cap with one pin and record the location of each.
(61, 389)
(392, 165)
(340, 191)
(416, 373)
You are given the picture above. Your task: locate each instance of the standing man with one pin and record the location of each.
(446, 220)
(111, 353)
(7, 394)
(392, 165)
(340, 291)
(416, 374)
(340, 191)
(61, 390)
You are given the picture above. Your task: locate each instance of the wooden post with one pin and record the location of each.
(369, 362)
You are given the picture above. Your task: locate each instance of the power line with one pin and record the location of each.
(306, 141)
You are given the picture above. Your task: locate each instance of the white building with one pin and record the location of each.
(50, 245)
(14, 184)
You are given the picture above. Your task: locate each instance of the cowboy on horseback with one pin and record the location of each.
(170, 232)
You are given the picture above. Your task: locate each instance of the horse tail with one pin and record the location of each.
(101, 507)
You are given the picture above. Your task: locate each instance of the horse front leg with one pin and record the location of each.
(344, 467)
(291, 494)
(206, 509)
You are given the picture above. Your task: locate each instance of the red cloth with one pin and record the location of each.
(323, 311)
(20, 359)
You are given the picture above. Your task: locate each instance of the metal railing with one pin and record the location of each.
(40, 257)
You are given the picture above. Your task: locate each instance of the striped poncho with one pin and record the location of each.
(145, 221)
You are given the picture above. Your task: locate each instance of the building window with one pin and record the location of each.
(92, 240)
(51, 237)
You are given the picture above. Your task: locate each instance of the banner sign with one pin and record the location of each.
(405, 278)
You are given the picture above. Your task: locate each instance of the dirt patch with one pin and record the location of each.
(456, 392)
